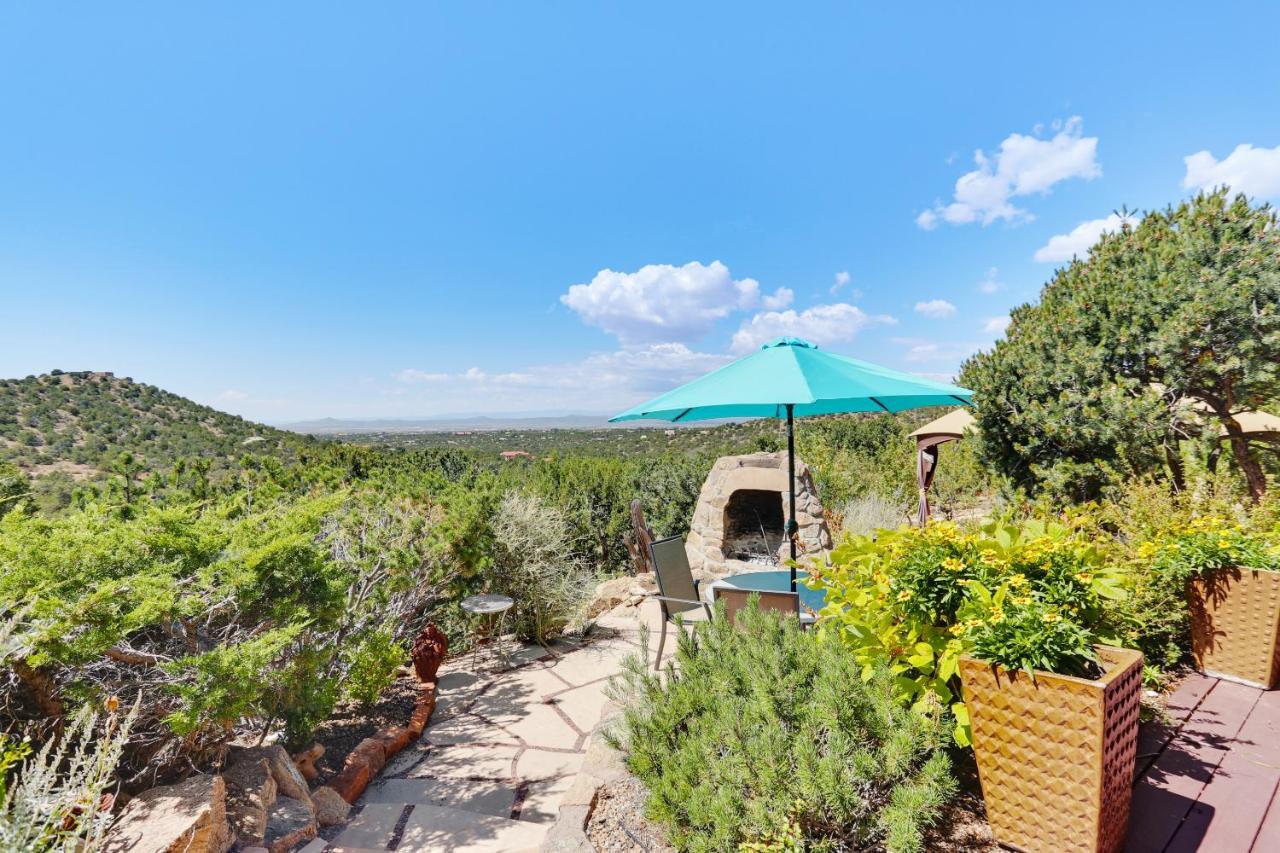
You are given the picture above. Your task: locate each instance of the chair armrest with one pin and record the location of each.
(678, 600)
(666, 598)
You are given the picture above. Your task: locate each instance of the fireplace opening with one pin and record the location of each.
(753, 526)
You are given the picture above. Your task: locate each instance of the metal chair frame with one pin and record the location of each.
(668, 558)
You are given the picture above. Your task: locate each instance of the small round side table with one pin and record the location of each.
(492, 610)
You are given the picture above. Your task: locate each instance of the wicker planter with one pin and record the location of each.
(1056, 756)
(1235, 625)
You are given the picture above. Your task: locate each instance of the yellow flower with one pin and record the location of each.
(905, 595)
(1018, 580)
(1224, 544)
(1052, 617)
(1083, 577)
(1022, 600)
(953, 564)
(997, 616)
(957, 629)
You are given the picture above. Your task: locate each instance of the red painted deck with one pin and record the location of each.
(1207, 779)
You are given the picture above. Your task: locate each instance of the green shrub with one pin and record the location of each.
(533, 563)
(767, 737)
(373, 666)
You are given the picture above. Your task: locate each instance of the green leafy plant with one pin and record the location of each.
(1212, 543)
(913, 600)
(767, 737)
(1016, 630)
(373, 666)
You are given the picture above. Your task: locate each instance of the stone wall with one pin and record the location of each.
(757, 471)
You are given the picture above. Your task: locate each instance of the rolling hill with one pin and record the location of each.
(77, 424)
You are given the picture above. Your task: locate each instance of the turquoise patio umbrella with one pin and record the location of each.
(791, 378)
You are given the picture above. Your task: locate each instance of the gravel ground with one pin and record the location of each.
(617, 824)
(349, 724)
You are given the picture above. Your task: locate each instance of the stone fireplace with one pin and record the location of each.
(739, 521)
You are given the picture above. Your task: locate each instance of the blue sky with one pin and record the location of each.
(383, 210)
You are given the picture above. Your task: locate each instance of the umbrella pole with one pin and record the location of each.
(792, 527)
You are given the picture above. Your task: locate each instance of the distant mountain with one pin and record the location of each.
(479, 423)
(79, 423)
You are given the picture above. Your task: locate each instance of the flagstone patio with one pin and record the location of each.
(502, 749)
(505, 745)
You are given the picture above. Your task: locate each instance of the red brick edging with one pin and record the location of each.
(372, 753)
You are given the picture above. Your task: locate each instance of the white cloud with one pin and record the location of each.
(602, 381)
(922, 352)
(842, 278)
(821, 324)
(927, 351)
(475, 374)
(996, 325)
(411, 376)
(665, 303)
(781, 298)
(1024, 165)
(1076, 243)
(1252, 171)
(938, 309)
(991, 284)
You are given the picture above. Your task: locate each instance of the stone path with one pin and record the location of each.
(1207, 780)
(499, 754)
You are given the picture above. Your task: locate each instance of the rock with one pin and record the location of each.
(190, 817)
(429, 651)
(306, 760)
(291, 822)
(251, 790)
(289, 782)
(609, 595)
(331, 809)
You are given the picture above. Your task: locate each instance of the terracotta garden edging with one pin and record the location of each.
(372, 753)
(1056, 755)
(1235, 625)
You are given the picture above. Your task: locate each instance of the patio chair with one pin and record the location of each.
(737, 599)
(677, 590)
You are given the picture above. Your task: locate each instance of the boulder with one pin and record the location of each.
(290, 823)
(190, 817)
(331, 809)
(251, 790)
(306, 760)
(629, 590)
(289, 781)
(429, 651)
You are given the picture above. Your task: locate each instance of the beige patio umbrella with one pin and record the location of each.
(952, 426)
